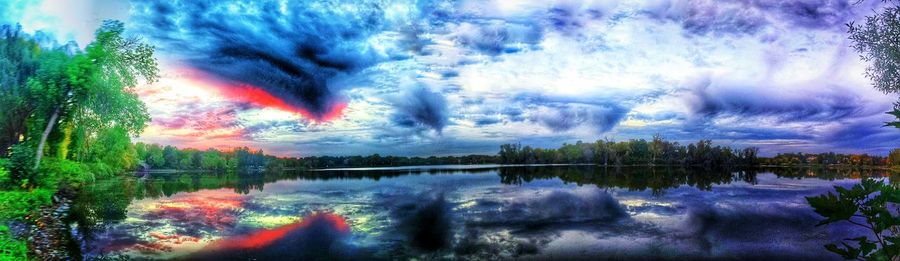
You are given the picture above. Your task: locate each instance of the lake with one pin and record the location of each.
(462, 212)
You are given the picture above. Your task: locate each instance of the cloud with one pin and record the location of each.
(562, 117)
(293, 50)
(752, 17)
(710, 99)
(863, 135)
(702, 17)
(817, 14)
(497, 36)
(420, 107)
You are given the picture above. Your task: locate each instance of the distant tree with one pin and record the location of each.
(140, 150)
(170, 157)
(114, 148)
(878, 42)
(155, 156)
(894, 158)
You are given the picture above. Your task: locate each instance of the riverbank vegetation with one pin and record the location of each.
(68, 116)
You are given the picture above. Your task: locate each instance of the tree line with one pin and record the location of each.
(833, 159)
(636, 152)
(154, 156)
(632, 152)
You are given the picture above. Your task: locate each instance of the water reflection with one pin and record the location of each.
(575, 212)
(320, 236)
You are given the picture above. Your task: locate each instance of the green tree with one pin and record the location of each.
(114, 149)
(170, 156)
(18, 62)
(878, 42)
(93, 88)
(213, 160)
(155, 156)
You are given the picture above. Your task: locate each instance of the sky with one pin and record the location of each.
(302, 78)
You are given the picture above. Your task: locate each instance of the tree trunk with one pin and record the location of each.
(40, 148)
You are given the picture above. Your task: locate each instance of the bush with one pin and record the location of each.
(21, 161)
(5, 179)
(101, 170)
(10, 248)
(18, 204)
(54, 172)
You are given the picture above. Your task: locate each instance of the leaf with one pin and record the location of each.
(885, 220)
(890, 194)
(865, 246)
(831, 207)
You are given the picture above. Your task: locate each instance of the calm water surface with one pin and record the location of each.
(452, 212)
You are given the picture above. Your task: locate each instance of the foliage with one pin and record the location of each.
(18, 62)
(10, 248)
(78, 106)
(114, 149)
(20, 161)
(92, 90)
(63, 171)
(878, 42)
(865, 205)
(828, 158)
(894, 158)
(896, 114)
(5, 178)
(632, 152)
(18, 204)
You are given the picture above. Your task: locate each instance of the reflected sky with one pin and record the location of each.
(475, 214)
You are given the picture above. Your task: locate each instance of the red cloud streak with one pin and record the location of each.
(260, 97)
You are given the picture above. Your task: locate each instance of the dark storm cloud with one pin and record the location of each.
(562, 117)
(830, 104)
(420, 107)
(866, 135)
(292, 50)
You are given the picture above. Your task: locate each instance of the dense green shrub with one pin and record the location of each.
(5, 179)
(10, 248)
(21, 160)
(17, 204)
(54, 172)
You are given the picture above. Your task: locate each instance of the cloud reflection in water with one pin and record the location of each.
(476, 216)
